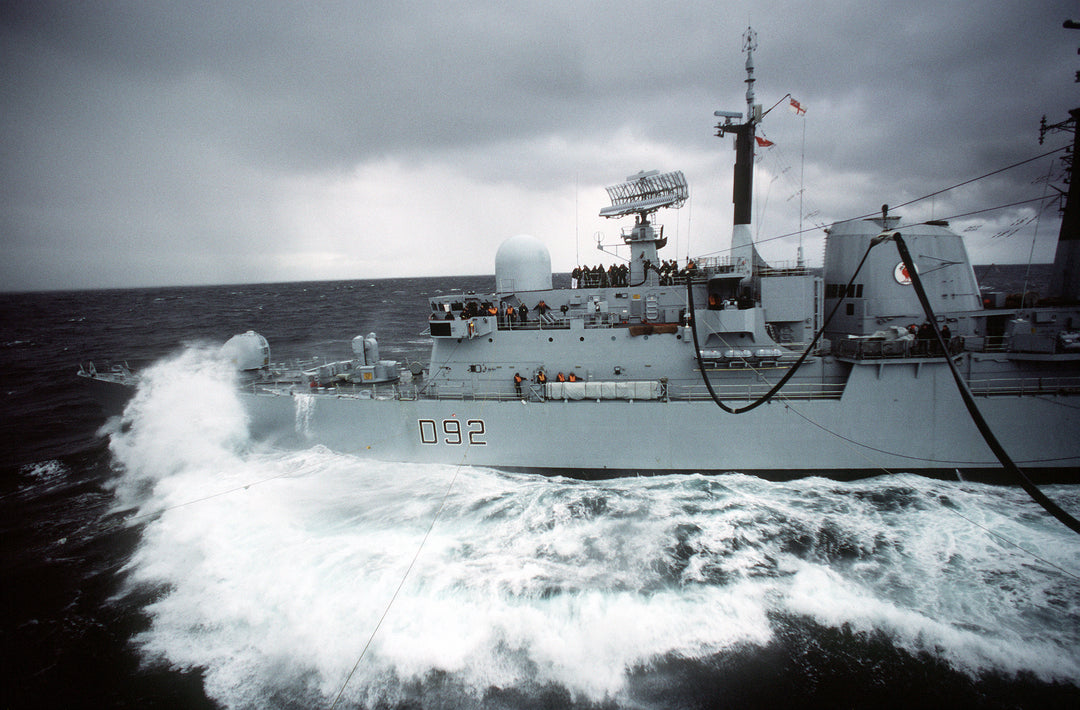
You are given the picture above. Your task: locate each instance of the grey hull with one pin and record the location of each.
(881, 424)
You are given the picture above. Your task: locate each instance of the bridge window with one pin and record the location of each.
(839, 290)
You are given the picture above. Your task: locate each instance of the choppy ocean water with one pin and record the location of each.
(168, 560)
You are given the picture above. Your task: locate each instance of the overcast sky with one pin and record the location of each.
(160, 143)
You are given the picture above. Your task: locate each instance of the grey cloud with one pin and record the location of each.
(132, 125)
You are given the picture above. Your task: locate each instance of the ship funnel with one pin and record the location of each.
(882, 295)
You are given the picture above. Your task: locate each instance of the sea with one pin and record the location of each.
(163, 557)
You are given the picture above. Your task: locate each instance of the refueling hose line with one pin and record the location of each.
(787, 375)
(965, 393)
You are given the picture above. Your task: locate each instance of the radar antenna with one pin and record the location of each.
(641, 195)
(645, 193)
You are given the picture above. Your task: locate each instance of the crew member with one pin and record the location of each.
(518, 379)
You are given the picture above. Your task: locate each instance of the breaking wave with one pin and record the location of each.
(269, 571)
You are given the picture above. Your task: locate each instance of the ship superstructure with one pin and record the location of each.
(621, 373)
(635, 331)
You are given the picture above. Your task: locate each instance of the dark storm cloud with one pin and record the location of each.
(170, 140)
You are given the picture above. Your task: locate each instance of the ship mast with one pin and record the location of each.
(1065, 277)
(742, 245)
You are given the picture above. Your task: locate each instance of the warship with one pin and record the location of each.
(712, 365)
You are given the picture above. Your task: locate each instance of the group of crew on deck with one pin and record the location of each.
(598, 276)
(926, 343)
(619, 274)
(541, 378)
(506, 313)
(669, 271)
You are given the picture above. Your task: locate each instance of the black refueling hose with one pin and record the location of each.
(791, 371)
(965, 393)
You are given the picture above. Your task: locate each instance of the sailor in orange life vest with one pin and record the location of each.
(560, 377)
(572, 377)
(518, 379)
(541, 378)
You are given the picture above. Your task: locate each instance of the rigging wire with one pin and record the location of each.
(954, 462)
(989, 209)
(926, 197)
(161, 511)
(404, 577)
(980, 177)
(909, 224)
(1038, 219)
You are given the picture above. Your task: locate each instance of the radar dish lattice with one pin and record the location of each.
(647, 192)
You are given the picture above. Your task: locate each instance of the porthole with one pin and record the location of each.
(582, 338)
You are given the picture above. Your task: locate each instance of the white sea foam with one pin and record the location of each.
(184, 416)
(273, 569)
(45, 472)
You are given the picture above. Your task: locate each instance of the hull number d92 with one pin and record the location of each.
(450, 431)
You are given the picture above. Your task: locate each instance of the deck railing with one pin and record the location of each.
(1025, 386)
(751, 391)
(560, 322)
(867, 349)
(993, 387)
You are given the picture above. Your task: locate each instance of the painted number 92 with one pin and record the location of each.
(451, 432)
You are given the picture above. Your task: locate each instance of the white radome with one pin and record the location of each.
(522, 263)
(247, 351)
